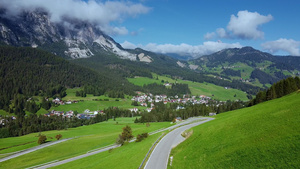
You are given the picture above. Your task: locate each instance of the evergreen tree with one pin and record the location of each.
(46, 104)
(271, 93)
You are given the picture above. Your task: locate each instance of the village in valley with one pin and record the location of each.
(140, 100)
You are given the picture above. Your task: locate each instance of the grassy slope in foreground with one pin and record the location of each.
(263, 136)
(90, 137)
(127, 156)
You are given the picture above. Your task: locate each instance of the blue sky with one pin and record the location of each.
(176, 22)
(192, 27)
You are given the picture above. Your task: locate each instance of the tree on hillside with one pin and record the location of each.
(125, 136)
(46, 104)
(271, 93)
(297, 81)
(127, 133)
(281, 88)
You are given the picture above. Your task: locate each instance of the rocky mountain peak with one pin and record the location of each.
(70, 37)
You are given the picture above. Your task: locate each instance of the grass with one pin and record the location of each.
(245, 70)
(71, 95)
(128, 156)
(95, 105)
(263, 136)
(220, 93)
(90, 137)
(140, 81)
(208, 89)
(90, 103)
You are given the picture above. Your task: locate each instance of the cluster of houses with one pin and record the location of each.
(143, 99)
(61, 102)
(3, 121)
(146, 99)
(246, 80)
(230, 67)
(70, 114)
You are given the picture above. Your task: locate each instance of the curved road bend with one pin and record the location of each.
(43, 166)
(159, 157)
(52, 164)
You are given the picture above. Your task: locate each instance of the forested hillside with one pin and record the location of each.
(248, 65)
(162, 65)
(31, 72)
(277, 90)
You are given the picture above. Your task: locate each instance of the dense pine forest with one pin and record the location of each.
(32, 72)
(277, 90)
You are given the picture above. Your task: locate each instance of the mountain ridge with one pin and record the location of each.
(75, 38)
(248, 64)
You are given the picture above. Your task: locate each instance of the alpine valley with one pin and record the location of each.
(40, 57)
(73, 97)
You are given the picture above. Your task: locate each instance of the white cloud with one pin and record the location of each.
(114, 30)
(246, 25)
(209, 35)
(221, 33)
(183, 49)
(288, 45)
(98, 12)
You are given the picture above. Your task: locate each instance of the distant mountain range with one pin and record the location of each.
(75, 39)
(248, 65)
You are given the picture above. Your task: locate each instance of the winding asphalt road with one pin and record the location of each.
(159, 157)
(182, 126)
(56, 163)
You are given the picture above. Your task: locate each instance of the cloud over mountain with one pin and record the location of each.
(184, 49)
(288, 45)
(246, 25)
(102, 13)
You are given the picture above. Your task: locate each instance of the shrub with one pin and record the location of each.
(145, 135)
(141, 137)
(59, 136)
(138, 138)
(120, 140)
(42, 139)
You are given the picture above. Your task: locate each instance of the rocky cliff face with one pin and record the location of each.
(69, 37)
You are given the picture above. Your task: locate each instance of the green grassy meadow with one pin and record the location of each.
(220, 93)
(95, 105)
(90, 102)
(208, 89)
(127, 156)
(71, 95)
(140, 81)
(87, 138)
(263, 136)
